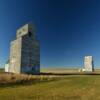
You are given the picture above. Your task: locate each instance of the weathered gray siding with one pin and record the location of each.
(25, 52)
(15, 56)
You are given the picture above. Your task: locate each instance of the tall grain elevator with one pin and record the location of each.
(25, 52)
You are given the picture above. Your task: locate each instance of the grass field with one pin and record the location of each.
(71, 87)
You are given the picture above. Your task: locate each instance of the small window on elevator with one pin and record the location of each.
(30, 34)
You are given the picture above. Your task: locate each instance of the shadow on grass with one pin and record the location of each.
(80, 73)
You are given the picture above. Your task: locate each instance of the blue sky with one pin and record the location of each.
(68, 29)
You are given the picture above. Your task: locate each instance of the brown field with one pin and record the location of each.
(50, 87)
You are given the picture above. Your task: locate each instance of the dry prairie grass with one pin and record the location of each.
(49, 87)
(6, 78)
(76, 87)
